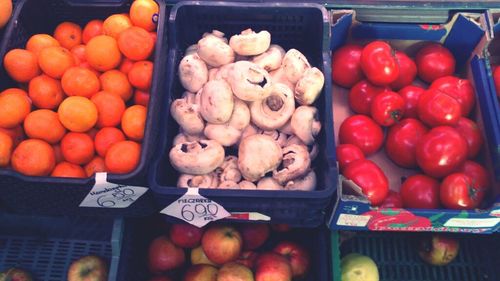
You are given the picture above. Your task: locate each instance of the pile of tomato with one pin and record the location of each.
(419, 113)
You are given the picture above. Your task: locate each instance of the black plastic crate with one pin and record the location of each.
(62, 196)
(301, 26)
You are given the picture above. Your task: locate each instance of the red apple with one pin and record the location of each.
(247, 258)
(438, 249)
(272, 267)
(88, 268)
(186, 235)
(201, 272)
(221, 244)
(164, 255)
(281, 227)
(15, 274)
(234, 272)
(161, 278)
(254, 235)
(297, 255)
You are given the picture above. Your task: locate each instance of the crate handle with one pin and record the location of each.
(102, 2)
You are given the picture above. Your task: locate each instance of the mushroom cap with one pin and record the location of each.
(305, 123)
(187, 116)
(295, 64)
(258, 155)
(296, 163)
(212, 73)
(182, 137)
(277, 136)
(309, 86)
(275, 110)
(249, 43)
(287, 128)
(279, 76)
(228, 185)
(240, 118)
(268, 183)
(313, 148)
(249, 131)
(249, 81)
(200, 181)
(223, 134)
(244, 184)
(193, 72)
(216, 102)
(214, 50)
(198, 157)
(193, 49)
(224, 71)
(305, 183)
(271, 59)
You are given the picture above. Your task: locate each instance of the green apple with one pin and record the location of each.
(356, 267)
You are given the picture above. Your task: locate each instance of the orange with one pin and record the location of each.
(154, 36)
(6, 146)
(16, 134)
(126, 65)
(144, 13)
(141, 98)
(105, 138)
(68, 170)
(115, 24)
(110, 108)
(54, 61)
(141, 75)
(136, 43)
(77, 148)
(79, 81)
(79, 52)
(134, 121)
(58, 153)
(87, 66)
(102, 53)
(77, 114)
(45, 92)
(123, 157)
(15, 105)
(33, 158)
(116, 82)
(68, 34)
(44, 124)
(95, 165)
(39, 42)
(5, 12)
(92, 29)
(21, 65)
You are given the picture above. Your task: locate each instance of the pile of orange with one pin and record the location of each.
(82, 100)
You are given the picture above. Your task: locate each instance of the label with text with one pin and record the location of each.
(353, 220)
(479, 223)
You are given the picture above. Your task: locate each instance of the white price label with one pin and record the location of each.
(195, 209)
(353, 220)
(458, 222)
(105, 194)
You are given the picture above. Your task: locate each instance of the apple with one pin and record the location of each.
(272, 267)
(164, 255)
(199, 257)
(201, 272)
(438, 249)
(161, 278)
(88, 268)
(221, 243)
(234, 272)
(297, 255)
(281, 227)
(15, 274)
(186, 235)
(254, 235)
(356, 267)
(247, 258)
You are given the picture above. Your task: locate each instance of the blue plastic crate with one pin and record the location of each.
(46, 246)
(62, 196)
(301, 26)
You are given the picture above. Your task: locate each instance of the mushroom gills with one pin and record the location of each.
(296, 162)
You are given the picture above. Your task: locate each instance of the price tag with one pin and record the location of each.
(195, 209)
(105, 194)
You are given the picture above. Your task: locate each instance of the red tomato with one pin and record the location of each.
(496, 78)
(407, 71)
(411, 94)
(436, 108)
(346, 65)
(470, 131)
(361, 96)
(477, 173)
(346, 153)
(402, 140)
(420, 192)
(458, 192)
(434, 61)
(387, 108)
(379, 63)
(393, 200)
(441, 151)
(370, 178)
(362, 132)
(460, 89)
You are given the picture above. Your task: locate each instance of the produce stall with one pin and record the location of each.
(157, 140)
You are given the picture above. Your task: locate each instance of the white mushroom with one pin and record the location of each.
(306, 183)
(296, 163)
(313, 148)
(249, 43)
(309, 86)
(249, 81)
(193, 72)
(212, 73)
(200, 181)
(277, 136)
(279, 76)
(216, 102)
(268, 183)
(182, 137)
(247, 185)
(228, 170)
(258, 155)
(191, 49)
(230, 133)
(214, 50)
(287, 128)
(271, 59)
(197, 158)
(240, 118)
(249, 131)
(187, 116)
(274, 111)
(228, 185)
(295, 65)
(305, 123)
(224, 71)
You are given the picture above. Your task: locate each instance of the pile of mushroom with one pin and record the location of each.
(251, 95)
